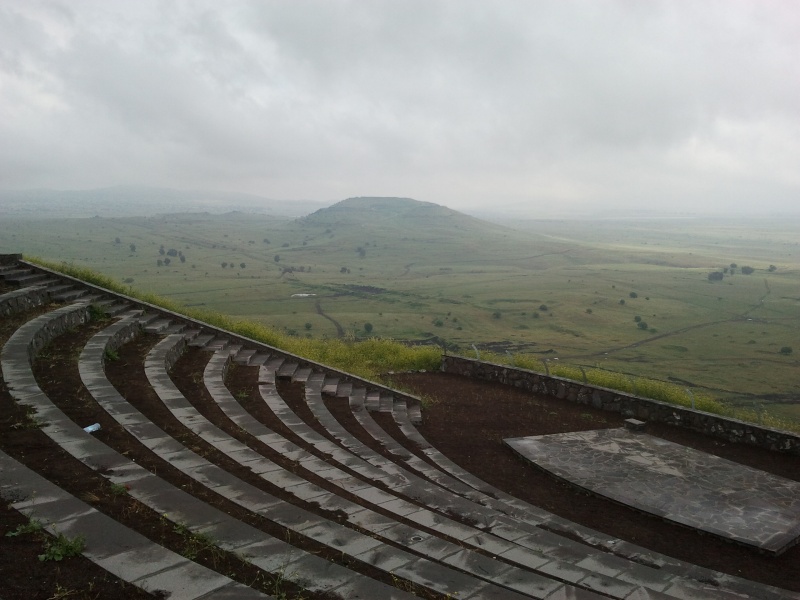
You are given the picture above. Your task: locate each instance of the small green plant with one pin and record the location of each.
(32, 526)
(120, 489)
(97, 314)
(61, 547)
(111, 355)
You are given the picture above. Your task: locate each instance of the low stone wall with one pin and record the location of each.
(55, 327)
(626, 404)
(23, 300)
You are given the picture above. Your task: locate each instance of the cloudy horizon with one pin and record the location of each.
(584, 106)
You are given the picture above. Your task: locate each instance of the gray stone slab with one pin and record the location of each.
(386, 557)
(185, 581)
(140, 562)
(341, 538)
(677, 483)
(272, 555)
(440, 578)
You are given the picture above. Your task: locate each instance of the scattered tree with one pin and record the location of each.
(734, 265)
(747, 270)
(368, 327)
(633, 295)
(133, 247)
(277, 258)
(772, 268)
(622, 301)
(543, 307)
(637, 318)
(496, 314)
(308, 326)
(266, 240)
(172, 252)
(182, 257)
(588, 311)
(242, 265)
(786, 350)
(361, 251)
(167, 261)
(117, 241)
(641, 325)
(224, 265)
(160, 263)
(161, 250)
(715, 276)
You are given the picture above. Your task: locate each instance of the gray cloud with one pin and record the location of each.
(582, 105)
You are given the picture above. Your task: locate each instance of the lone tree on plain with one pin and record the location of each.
(368, 327)
(786, 350)
(133, 247)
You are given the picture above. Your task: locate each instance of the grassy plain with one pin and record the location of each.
(561, 291)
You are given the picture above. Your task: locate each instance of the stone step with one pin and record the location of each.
(386, 402)
(15, 272)
(29, 279)
(343, 389)
(174, 328)
(287, 369)
(415, 413)
(329, 385)
(58, 288)
(157, 326)
(218, 343)
(190, 334)
(373, 401)
(69, 296)
(244, 356)
(302, 374)
(258, 359)
(201, 340)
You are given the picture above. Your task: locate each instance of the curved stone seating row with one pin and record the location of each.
(421, 565)
(684, 580)
(396, 503)
(735, 586)
(118, 549)
(262, 550)
(543, 551)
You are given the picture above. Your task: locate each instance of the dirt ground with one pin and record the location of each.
(466, 420)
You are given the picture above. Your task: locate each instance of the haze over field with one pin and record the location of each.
(545, 108)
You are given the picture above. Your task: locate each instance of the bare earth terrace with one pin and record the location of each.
(226, 469)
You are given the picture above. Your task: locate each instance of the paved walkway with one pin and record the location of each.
(699, 490)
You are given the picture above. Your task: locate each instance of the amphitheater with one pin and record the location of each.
(274, 494)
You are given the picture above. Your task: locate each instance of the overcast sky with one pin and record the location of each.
(679, 105)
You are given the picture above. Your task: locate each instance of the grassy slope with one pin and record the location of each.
(427, 271)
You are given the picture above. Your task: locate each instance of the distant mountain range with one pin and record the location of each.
(134, 200)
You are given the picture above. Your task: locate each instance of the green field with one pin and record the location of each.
(567, 291)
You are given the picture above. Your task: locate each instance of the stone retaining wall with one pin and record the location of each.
(23, 300)
(55, 327)
(626, 404)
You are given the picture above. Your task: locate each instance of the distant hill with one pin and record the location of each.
(127, 201)
(400, 215)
